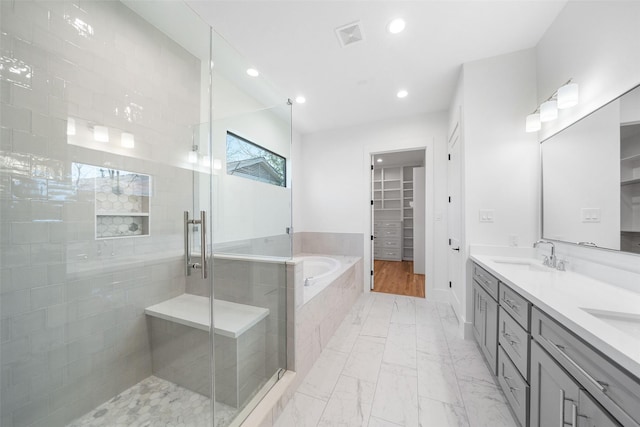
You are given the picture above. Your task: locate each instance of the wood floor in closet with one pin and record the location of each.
(397, 277)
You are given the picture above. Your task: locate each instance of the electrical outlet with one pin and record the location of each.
(591, 215)
(486, 215)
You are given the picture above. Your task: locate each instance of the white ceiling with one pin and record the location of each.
(294, 45)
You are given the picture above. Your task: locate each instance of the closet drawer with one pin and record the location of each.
(389, 254)
(515, 305)
(390, 243)
(614, 388)
(514, 386)
(486, 280)
(387, 224)
(383, 232)
(515, 342)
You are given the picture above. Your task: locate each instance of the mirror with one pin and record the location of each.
(591, 178)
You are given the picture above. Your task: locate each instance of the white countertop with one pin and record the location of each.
(230, 319)
(563, 295)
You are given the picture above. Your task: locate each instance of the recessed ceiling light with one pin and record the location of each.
(379, 160)
(301, 99)
(253, 72)
(396, 26)
(402, 93)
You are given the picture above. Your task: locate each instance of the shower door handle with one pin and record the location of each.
(202, 265)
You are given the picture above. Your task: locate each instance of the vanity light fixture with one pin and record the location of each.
(402, 94)
(549, 110)
(396, 26)
(568, 95)
(565, 97)
(101, 133)
(253, 72)
(127, 140)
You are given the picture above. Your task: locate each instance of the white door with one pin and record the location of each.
(454, 213)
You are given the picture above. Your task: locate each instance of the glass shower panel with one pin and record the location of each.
(251, 154)
(102, 103)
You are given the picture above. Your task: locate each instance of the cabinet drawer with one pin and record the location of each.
(614, 388)
(388, 232)
(514, 386)
(515, 305)
(387, 224)
(389, 254)
(488, 282)
(515, 342)
(389, 243)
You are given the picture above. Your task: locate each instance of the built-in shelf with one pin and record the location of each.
(630, 181)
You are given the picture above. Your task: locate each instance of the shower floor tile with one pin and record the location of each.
(154, 402)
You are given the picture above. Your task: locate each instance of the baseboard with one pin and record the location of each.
(438, 295)
(467, 330)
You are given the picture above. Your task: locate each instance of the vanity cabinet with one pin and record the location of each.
(485, 315)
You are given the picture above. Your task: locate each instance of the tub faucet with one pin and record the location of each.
(549, 261)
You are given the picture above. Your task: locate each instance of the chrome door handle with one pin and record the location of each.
(455, 249)
(202, 265)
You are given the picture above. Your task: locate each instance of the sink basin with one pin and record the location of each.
(629, 323)
(523, 265)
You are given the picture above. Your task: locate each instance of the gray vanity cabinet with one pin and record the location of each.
(554, 394)
(591, 413)
(485, 316)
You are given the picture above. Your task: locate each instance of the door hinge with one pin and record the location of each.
(449, 283)
(372, 272)
(372, 237)
(371, 167)
(449, 156)
(372, 203)
(449, 242)
(449, 199)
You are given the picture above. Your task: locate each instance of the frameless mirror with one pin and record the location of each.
(591, 178)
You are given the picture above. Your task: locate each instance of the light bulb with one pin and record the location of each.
(533, 123)
(127, 140)
(402, 94)
(396, 26)
(301, 99)
(253, 72)
(568, 95)
(549, 111)
(71, 126)
(101, 133)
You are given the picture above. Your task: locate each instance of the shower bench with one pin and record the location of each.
(180, 351)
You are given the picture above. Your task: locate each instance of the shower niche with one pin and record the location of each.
(121, 200)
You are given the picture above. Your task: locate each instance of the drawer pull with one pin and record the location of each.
(509, 338)
(506, 380)
(511, 304)
(559, 350)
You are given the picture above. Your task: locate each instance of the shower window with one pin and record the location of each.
(249, 160)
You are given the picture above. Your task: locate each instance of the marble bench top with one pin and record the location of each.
(230, 319)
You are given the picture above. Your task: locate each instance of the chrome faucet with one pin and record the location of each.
(549, 261)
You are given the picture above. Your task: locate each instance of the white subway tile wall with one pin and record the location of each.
(73, 332)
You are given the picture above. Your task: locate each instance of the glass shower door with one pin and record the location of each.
(105, 143)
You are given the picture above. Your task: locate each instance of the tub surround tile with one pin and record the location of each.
(331, 243)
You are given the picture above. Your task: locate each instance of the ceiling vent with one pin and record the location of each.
(350, 34)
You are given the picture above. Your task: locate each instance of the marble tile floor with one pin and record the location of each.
(398, 361)
(154, 402)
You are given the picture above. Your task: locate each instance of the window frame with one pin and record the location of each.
(246, 141)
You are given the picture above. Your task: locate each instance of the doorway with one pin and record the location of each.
(398, 222)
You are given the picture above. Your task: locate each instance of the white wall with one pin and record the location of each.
(331, 190)
(501, 161)
(596, 43)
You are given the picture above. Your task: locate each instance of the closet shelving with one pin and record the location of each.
(407, 212)
(630, 190)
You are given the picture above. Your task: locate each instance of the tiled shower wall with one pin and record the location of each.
(73, 332)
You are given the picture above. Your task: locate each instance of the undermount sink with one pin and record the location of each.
(629, 323)
(524, 265)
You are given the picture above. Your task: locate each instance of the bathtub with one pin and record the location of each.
(318, 272)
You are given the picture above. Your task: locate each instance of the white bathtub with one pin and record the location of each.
(318, 272)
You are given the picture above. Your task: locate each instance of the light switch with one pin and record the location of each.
(486, 215)
(590, 214)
